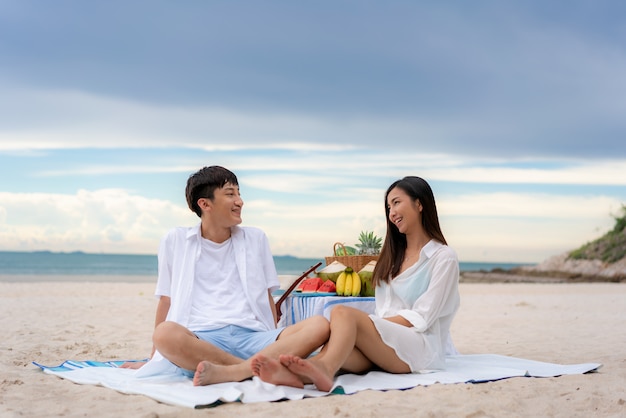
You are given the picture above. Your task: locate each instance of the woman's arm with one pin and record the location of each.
(441, 295)
(399, 319)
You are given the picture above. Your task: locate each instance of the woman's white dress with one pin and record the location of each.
(427, 295)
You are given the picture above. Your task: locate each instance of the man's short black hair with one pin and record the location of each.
(203, 183)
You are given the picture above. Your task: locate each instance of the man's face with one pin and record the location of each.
(227, 205)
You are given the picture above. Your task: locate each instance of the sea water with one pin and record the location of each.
(143, 267)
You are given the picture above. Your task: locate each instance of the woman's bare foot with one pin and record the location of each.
(310, 370)
(271, 371)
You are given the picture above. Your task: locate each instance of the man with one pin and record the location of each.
(214, 285)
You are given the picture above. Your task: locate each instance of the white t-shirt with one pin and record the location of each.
(218, 298)
(179, 253)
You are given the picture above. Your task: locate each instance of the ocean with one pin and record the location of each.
(47, 265)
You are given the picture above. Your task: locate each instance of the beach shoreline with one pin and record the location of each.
(521, 276)
(49, 322)
(473, 276)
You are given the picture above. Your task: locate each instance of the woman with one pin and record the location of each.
(416, 279)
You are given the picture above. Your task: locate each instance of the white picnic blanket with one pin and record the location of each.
(177, 389)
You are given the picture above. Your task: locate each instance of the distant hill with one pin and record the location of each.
(609, 248)
(603, 259)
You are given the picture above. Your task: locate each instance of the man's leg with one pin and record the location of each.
(300, 339)
(180, 346)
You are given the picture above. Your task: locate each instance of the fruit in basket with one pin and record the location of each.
(348, 283)
(341, 283)
(365, 275)
(310, 285)
(331, 271)
(345, 250)
(327, 287)
(369, 244)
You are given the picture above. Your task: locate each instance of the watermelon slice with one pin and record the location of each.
(311, 285)
(327, 287)
(301, 284)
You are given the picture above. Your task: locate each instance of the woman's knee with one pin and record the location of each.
(341, 312)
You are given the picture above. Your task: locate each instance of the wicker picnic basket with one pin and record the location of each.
(356, 262)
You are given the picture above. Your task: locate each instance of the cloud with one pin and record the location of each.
(109, 221)
(481, 227)
(295, 167)
(523, 226)
(565, 172)
(539, 206)
(514, 111)
(494, 81)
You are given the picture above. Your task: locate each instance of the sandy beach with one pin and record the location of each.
(560, 323)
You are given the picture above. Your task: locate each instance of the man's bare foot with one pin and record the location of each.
(271, 371)
(310, 370)
(206, 374)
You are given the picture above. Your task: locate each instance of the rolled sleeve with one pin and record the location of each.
(439, 299)
(417, 320)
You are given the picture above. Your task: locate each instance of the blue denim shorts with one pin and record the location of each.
(238, 341)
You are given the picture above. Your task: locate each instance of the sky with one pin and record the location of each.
(514, 112)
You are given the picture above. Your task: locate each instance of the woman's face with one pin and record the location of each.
(404, 212)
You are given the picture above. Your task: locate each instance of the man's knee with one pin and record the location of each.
(164, 333)
(314, 327)
(317, 322)
(318, 327)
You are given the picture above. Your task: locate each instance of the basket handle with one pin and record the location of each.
(335, 248)
(292, 287)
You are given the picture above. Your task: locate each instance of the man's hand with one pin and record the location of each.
(132, 364)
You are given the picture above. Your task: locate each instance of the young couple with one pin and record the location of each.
(216, 318)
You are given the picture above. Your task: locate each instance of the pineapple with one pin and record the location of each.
(369, 244)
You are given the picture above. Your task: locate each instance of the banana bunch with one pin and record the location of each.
(348, 283)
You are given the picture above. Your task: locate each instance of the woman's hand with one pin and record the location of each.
(398, 319)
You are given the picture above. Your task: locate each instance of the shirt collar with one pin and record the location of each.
(431, 248)
(195, 231)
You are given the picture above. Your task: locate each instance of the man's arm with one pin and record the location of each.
(161, 313)
(273, 306)
(162, 309)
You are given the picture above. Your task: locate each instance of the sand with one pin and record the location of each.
(560, 323)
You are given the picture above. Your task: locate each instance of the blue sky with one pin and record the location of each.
(515, 112)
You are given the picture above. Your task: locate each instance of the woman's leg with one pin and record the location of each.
(353, 346)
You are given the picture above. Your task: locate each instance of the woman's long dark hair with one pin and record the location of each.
(392, 253)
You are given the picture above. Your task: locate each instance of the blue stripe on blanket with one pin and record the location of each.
(73, 364)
